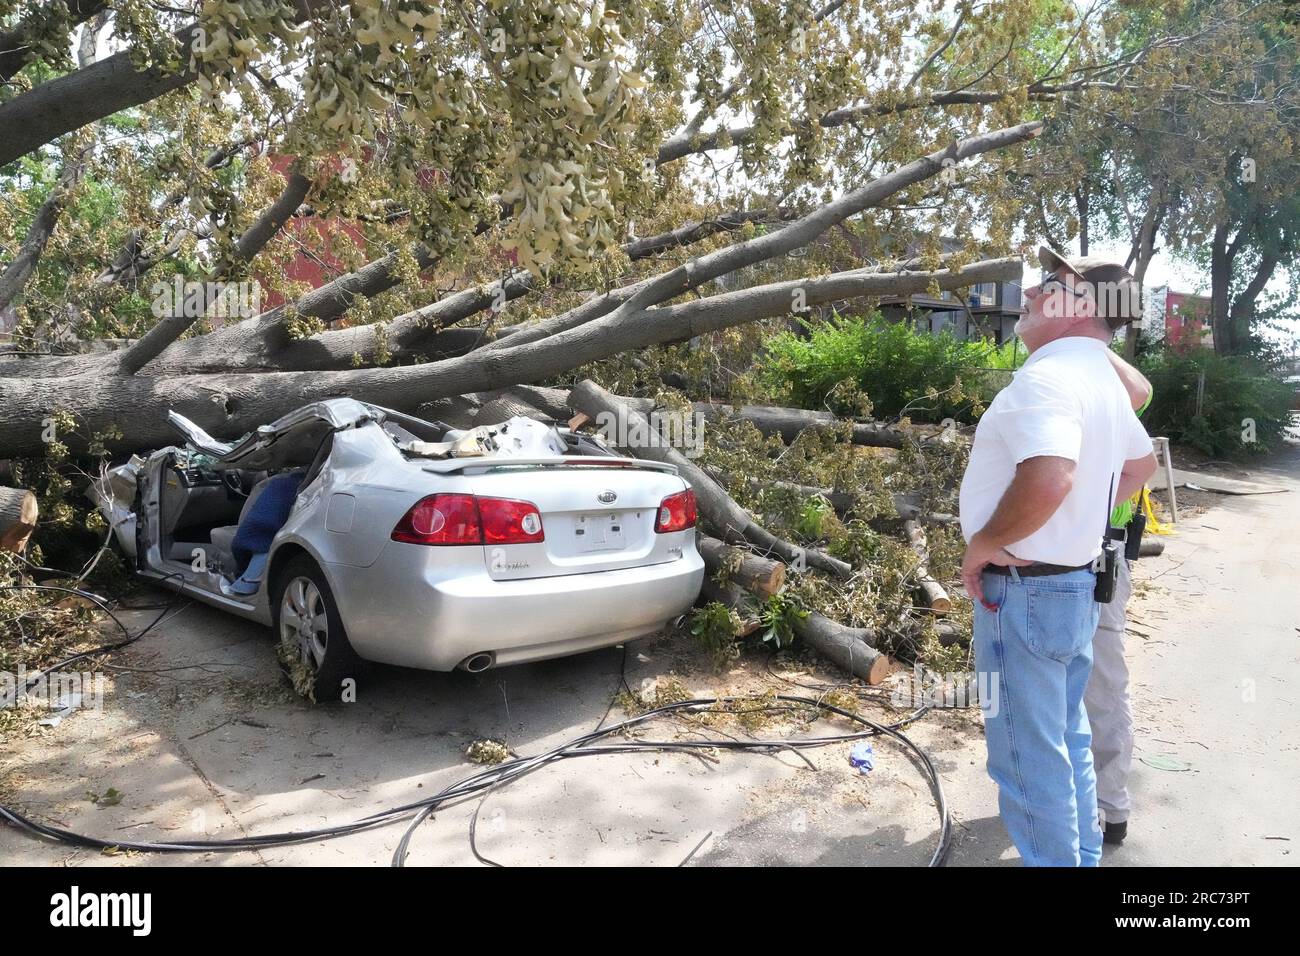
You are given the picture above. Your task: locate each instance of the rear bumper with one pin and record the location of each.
(422, 607)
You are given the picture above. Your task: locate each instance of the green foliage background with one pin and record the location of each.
(927, 377)
(1236, 388)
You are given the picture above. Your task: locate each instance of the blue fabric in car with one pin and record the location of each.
(251, 580)
(265, 518)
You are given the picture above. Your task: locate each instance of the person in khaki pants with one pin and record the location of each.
(1106, 698)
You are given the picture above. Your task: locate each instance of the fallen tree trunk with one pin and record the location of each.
(761, 575)
(235, 403)
(848, 647)
(731, 520)
(789, 422)
(1151, 548)
(18, 513)
(736, 598)
(936, 598)
(229, 405)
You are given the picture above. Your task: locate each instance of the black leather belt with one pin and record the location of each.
(1036, 570)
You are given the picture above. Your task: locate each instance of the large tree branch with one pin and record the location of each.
(261, 343)
(83, 96)
(680, 147)
(273, 217)
(801, 232)
(16, 274)
(255, 342)
(414, 331)
(232, 404)
(247, 246)
(691, 232)
(16, 45)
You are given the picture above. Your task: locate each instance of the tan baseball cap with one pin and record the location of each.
(1117, 294)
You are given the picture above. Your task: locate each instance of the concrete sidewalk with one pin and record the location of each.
(202, 740)
(1214, 651)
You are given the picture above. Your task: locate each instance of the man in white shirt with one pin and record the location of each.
(1055, 449)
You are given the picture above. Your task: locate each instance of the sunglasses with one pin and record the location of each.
(1050, 281)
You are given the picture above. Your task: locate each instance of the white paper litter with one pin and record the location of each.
(63, 707)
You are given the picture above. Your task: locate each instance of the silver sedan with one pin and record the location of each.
(394, 553)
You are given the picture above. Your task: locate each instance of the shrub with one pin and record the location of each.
(1238, 391)
(926, 376)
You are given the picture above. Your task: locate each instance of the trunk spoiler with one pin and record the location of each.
(487, 463)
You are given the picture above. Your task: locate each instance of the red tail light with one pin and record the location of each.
(506, 521)
(441, 519)
(676, 512)
(467, 519)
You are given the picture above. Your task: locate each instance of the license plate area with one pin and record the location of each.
(600, 532)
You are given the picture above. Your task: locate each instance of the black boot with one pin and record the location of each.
(1115, 833)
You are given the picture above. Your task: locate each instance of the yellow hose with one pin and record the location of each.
(1153, 525)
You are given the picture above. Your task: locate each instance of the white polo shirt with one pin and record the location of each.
(1067, 402)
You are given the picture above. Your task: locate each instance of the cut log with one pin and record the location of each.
(909, 508)
(936, 598)
(758, 574)
(1151, 548)
(846, 646)
(18, 512)
(789, 422)
(950, 634)
(635, 435)
(739, 600)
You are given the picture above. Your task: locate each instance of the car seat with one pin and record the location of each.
(223, 537)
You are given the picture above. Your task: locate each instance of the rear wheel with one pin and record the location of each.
(313, 647)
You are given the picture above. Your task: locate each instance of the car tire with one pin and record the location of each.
(311, 643)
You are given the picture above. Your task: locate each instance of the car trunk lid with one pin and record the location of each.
(596, 515)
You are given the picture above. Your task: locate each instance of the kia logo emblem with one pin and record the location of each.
(606, 496)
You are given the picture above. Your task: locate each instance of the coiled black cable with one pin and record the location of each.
(490, 779)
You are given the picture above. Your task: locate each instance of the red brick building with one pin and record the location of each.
(1186, 318)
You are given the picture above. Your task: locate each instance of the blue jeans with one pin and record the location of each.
(1034, 654)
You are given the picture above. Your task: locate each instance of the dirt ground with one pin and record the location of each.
(199, 737)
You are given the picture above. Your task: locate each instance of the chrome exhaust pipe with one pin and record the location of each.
(477, 663)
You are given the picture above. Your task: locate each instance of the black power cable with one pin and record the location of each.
(578, 748)
(490, 779)
(99, 603)
(486, 780)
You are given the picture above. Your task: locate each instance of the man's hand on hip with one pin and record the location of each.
(1037, 490)
(979, 554)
